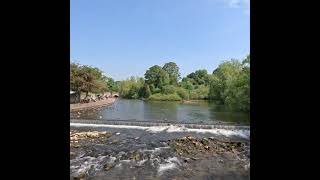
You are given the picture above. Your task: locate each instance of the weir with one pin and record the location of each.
(150, 124)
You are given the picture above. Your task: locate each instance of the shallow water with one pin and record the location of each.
(133, 153)
(201, 112)
(139, 147)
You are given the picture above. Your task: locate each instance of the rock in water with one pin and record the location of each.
(205, 141)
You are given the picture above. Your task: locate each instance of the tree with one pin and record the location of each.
(75, 79)
(86, 79)
(168, 89)
(157, 76)
(187, 84)
(145, 91)
(200, 93)
(112, 85)
(199, 77)
(230, 84)
(131, 88)
(173, 70)
(183, 93)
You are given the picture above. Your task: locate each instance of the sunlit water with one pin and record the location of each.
(201, 112)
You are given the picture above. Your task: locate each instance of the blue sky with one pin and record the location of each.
(126, 37)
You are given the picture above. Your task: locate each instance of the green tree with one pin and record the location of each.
(199, 77)
(173, 70)
(200, 93)
(186, 83)
(145, 91)
(157, 76)
(183, 93)
(168, 89)
(131, 88)
(112, 85)
(86, 79)
(230, 84)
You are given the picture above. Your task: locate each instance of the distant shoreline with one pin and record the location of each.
(101, 103)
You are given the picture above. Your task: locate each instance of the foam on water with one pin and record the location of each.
(156, 129)
(155, 149)
(171, 164)
(225, 132)
(140, 163)
(88, 163)
(172, 128)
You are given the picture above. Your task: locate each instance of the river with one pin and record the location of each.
(199, 112)
(160, 140)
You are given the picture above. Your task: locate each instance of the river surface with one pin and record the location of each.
(141, 140)
(199, 112)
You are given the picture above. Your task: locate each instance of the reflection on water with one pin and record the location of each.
(199, 112)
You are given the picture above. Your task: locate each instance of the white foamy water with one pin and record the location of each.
(171, 164)
(140, 163)
(155, 149)
(172, 128)
(85, 164)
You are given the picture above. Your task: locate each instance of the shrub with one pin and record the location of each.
(169, 89)
(200, 93)
(165, 97)
(183, 93)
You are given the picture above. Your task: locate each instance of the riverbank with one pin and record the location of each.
(101, 103)
(113, 153)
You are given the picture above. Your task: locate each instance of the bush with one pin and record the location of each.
(156, 90)
(183, 93)
(165, 97)
(169, 89)
(200, 93)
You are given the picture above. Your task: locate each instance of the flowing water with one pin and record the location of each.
(141, 136)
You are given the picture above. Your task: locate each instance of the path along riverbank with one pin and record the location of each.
(82, 106)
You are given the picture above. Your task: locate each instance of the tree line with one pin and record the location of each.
(88, 79)
(229, 84)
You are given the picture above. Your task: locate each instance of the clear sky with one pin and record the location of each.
(126, 37)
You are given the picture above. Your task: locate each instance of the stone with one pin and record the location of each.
(108, 166)
(190, 138)
(80, 176)
(205, 141)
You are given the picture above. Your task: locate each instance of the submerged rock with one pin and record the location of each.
(205, 141)
(74, 136)
(108, 166)
(190, 145)
(80, 176)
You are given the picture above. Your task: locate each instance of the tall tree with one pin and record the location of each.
(145, 91)
(157, 76)
(230, 83)
(173, 70)
(86, 79)
(199, 77)
(187, 84)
